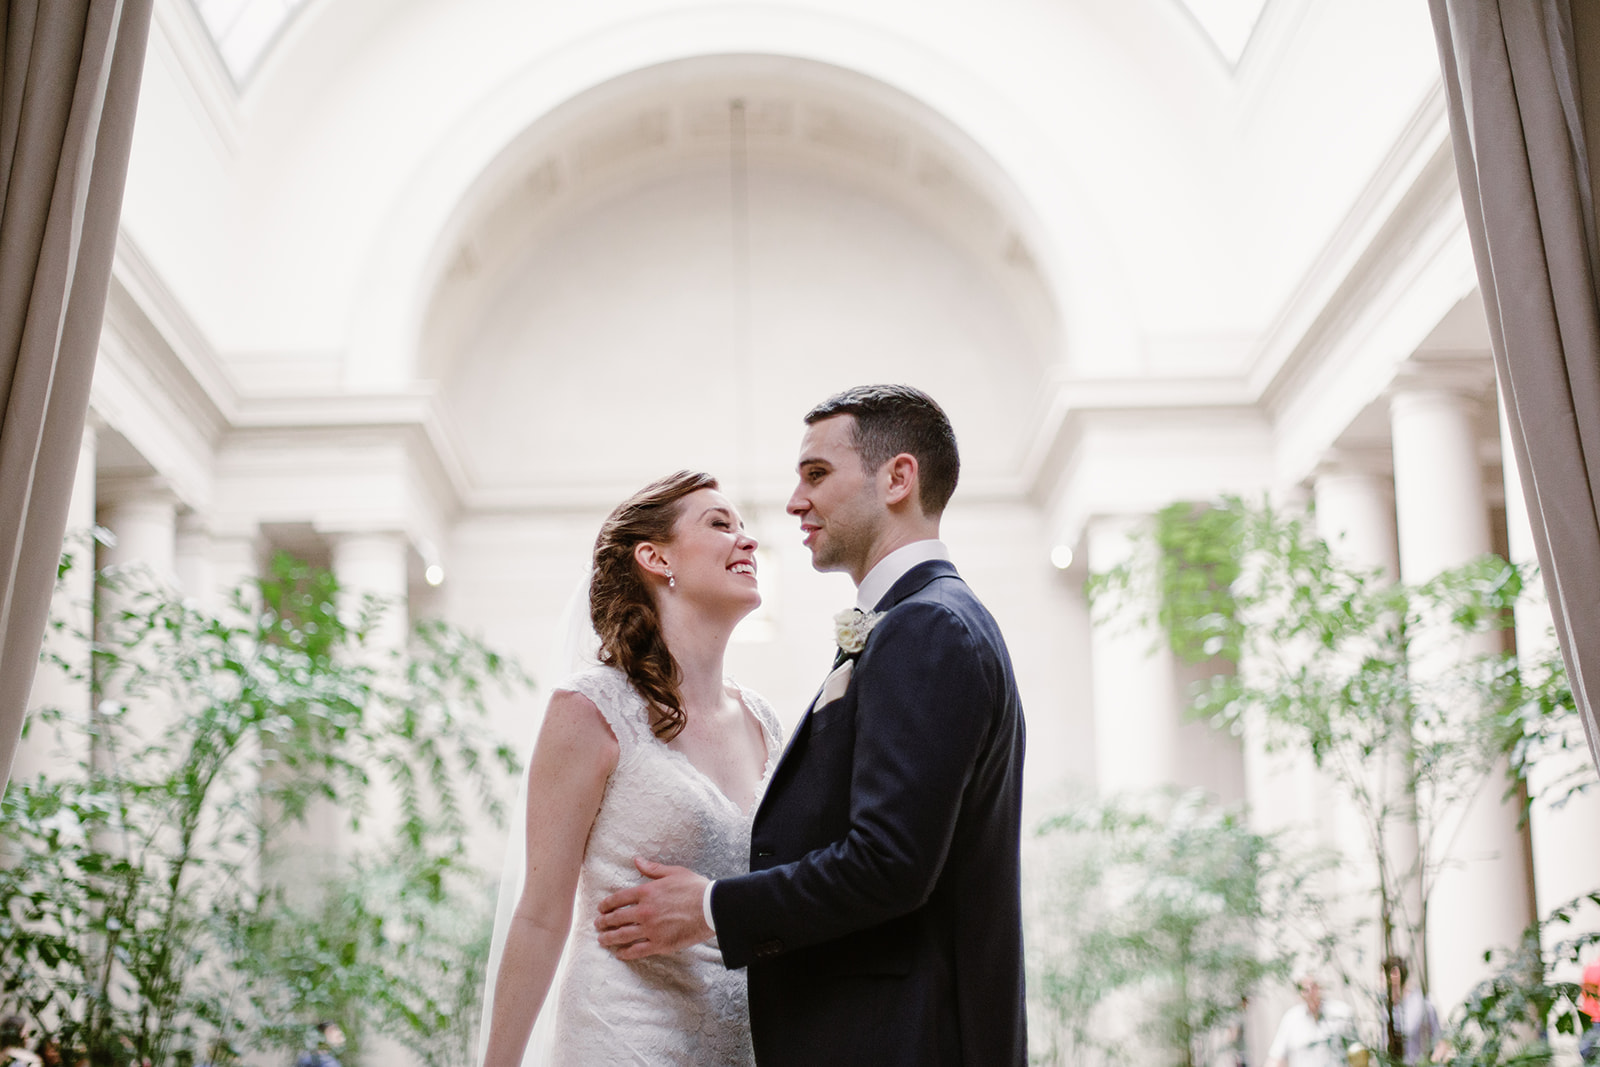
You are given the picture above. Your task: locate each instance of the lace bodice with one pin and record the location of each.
(686, 1008)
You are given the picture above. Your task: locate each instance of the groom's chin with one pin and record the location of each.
(822, 561)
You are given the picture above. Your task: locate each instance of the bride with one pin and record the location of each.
(652, 757)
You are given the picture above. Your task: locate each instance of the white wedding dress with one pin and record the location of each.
(685, 1008)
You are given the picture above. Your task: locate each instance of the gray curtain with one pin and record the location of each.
(69, 83)
(1523, 80)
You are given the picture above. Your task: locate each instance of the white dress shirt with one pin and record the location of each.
(1305, 1040)
(891, 568)
(879, 580)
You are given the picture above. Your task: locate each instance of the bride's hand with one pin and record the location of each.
(661, 915)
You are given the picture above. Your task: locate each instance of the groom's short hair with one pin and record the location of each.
(891, 419)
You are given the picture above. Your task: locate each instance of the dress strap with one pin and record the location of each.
(619, 702)
(770, 726)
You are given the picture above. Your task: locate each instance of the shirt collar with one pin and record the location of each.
(891, 568)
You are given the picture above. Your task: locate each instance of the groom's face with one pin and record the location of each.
(837, 499)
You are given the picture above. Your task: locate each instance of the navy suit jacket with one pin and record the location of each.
(881, 919)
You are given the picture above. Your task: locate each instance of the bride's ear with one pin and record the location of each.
(647, 554)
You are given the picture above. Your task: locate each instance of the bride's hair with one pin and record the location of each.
(620, 604)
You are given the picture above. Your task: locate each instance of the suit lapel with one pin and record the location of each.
(800, 729)
(909, 583)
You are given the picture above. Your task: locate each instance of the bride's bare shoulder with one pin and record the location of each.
(574, 728)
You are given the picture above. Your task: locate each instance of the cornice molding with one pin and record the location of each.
(1386, 238)
(195, 55)
(159, 334)
(1398, 205)
(1077, 403)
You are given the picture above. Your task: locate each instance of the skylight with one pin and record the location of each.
(1227, 22)
(245, 29)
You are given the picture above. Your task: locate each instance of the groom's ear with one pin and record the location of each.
(901, 475)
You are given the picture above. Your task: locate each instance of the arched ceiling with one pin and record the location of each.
(774, 115)
(245, 30)
(699, 230)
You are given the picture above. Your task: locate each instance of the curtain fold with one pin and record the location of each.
(1512, 75)
(69, 85)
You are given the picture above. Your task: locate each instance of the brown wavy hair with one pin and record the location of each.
(620, 604)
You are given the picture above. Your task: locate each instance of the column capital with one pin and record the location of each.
(1344, 462)
(247, 531)
(345, 535)
(193, 524)
(1467, 376)
(1107, 538)
(119, 490)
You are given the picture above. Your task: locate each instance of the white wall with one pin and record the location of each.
(610, 351)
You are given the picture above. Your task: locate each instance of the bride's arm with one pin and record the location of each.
(574, 756)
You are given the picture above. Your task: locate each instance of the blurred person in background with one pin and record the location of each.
(1317, 1032)
(330, 1042)
(1415, 1019)
(13, 1043)
(1589, 1004)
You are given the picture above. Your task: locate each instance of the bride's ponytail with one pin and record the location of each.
(620, 604)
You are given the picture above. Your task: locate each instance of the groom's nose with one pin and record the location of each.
(798, 505)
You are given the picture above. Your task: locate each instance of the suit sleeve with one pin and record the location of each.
(926, 700)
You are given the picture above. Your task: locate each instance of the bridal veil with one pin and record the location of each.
(575, 647)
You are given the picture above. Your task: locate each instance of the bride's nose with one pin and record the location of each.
(746, 541)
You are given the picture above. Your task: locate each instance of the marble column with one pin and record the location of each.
(375, 564)
(192, 561)
(210, 566)
(1289, 794)
(1143, 739)
(142, 516)
(1356, 517)
(1135, 713)
(65, 686)
(365, 564)
(1480, 896)
(1560, 871)
(236, 558)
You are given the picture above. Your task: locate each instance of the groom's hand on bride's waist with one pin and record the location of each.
(663, 914)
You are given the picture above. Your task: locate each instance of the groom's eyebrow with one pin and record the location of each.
(810, 461)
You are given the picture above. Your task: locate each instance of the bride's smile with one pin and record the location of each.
(711, 557)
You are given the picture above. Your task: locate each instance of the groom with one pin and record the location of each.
(880, 920)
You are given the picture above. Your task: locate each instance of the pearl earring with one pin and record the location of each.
(672, 583)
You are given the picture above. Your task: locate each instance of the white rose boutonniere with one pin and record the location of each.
(850, 629)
